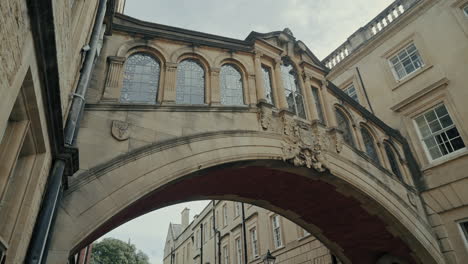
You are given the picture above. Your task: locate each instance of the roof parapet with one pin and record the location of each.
(367, 32)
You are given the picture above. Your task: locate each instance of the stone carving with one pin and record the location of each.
(302, 145)
(412, 199)
(337, 137)
(120, 130)
(266, 115)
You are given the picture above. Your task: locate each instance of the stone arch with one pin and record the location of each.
(136, 45)
(351, 122)
(373, 133)
(188, 52)
(188, 167)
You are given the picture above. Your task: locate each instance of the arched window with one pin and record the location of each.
(231, 86)
(141, 79)
(190, 83)
(393, 161)
(343, 125)
(292, 90)
(369, 144)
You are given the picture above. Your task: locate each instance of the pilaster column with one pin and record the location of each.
(215, 92)
(280, 92)
(114, 78)
(261, 97)
(309, 98)
(169, 91)
(328, 105)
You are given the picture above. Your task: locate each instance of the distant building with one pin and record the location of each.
(215, 236)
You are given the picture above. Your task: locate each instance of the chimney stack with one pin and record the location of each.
(185, 214)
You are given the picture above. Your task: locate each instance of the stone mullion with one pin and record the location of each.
(309, 99)
(169, 90)
(215, 91)
(328, 106)
(261, 96)
(281, 95)
(114, 79)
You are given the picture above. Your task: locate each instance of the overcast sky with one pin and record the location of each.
(321, 24)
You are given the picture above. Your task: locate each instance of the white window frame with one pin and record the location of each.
(238, 244)
(463, 232)
(276, 228)
(225, 216)
(421, 138)
(348, 89)
(392, 66)
(226, 254)
(254, 241)
(237, 209)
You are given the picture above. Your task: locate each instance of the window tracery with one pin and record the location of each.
(345, 127)
(369, 144)
(292, 89)
(190, 83)
(231, 86)
(141, 79)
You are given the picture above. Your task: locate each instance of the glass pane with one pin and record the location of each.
(457, 143)
(452, 133)
(430, 116)
(267, 84)
(441, 111)
(430, 142)
(231, 86)
(318, 104)
(393, 162)
(446, 121)
(292, 89)
(435, 126)
(190, 83)
(343, 125)
(435, 153)
(141, 79)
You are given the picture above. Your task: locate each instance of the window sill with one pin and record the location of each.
(447, 158)
(278, 249)
(411, 76)
(256, 258)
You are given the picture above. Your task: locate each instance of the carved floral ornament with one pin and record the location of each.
(303, 143)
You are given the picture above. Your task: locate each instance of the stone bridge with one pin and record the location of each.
(337, 170)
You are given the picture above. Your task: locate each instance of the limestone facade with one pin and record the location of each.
(438, 31)
(29, 129)
(218, 232)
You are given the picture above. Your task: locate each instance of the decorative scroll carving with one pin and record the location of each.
(120, 130)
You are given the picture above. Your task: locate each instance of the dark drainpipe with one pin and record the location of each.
(38, 247)
(214, 229)
(201, 244)
(364, 88)
(245, 234)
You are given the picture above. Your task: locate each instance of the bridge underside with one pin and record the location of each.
(316, 205)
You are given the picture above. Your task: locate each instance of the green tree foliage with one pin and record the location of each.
(115, 251)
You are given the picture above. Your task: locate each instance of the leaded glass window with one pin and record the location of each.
(393, 161)
(141, 79)
(345, 127)
(190, 83)
(267, 84)
(318, 104)
(231, 86)
(438, 132)
(369, 144)
(292, 90)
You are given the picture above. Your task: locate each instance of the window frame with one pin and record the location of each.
(463, 231)
(279, 231)
(395, 55)
(242, 84)
(349, 122)
(158, 83)
(421, 138)
(388, 147)
(299, 89)
(205, 76)
(225, 254)
(375, 146)
(238, 246)
(225, 216)
(269, 71)
(346, 90)
(255, 249)
(237, 209)
(317, 97)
